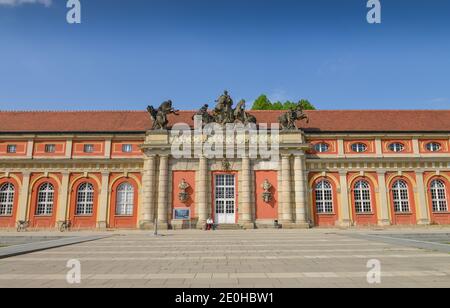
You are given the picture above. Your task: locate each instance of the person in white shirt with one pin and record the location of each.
(209, 224)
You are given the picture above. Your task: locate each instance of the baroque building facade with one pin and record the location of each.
(116, 170)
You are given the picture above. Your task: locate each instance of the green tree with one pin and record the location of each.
(306, 105)
(263, 103)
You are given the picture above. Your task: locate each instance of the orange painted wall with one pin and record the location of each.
(326, 220)
(369, 143)
(78, 148)
(43, 221)
(266, 210)
(119, 221)
(407, 143)
(116, 149)
(363, 219)
(10, 221)
(403, 218)
(39, 148)
(21, 148)
(177, 177)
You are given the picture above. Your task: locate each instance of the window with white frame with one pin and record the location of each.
(88, 148)
(127, 148)
(359, 147)
(321, 147)
(45, 198)
(11, 148)
(396, 147)
(85, 200)
(439, 196)
(125, 199)
(50, 148)
(433, 147)
(362, 197)
(6, 199)
(400, 195)
(324, 197)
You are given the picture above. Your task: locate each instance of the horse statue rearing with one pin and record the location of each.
(288, 121)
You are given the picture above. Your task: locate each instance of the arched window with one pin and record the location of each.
(324, 197)
(361, 194)
(400, 195)
(46, 195)
(85, 199)
(6, 199)
(438, 196)
(125, 199)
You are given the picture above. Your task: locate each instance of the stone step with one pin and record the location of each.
(229, 227)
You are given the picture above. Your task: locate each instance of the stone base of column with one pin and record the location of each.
(163, 225)
(101, 225)
(423, 222)
(146, 225)
(247, 225)
(384, 222)
(201, 225)
(295, 225)
(345, 223)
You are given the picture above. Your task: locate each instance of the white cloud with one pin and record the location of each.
(46, 3)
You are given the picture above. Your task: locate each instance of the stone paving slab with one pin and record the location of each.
(234, 259)
(430, 241)
(34, 246)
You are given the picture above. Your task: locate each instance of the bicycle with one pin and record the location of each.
(22, 225)
(65, 226)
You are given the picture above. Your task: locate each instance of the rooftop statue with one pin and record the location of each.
(159, 116)
(288, 121)
(240, 115)
(203, 113)
(224, 113)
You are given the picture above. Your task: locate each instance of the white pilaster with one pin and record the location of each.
(147, 214)
(344, 219)
(103, 202)
(422, 215)
(163, 191)
(384, 219)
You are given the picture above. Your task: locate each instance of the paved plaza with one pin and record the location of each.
(254, 258)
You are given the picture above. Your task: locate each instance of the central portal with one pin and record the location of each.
(225, 199)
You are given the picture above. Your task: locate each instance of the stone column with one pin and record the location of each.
(286, 201)
(63, 198)
(300, 191)
(163, 192)
(344, 219)
(245, 208)
(148, 198)
(23, 197)
(384, 219)
(103, 202)
(201, 188)
(423, 217)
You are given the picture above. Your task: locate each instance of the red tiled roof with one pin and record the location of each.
(139, 121)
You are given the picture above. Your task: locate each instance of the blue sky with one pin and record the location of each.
(130, 53)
